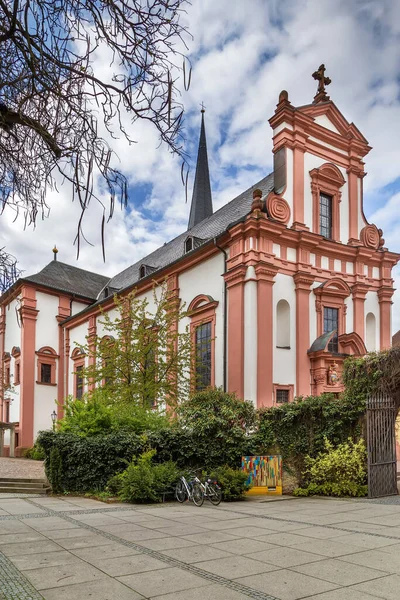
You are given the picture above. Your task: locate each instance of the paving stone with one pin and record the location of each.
(85, 541)
(384, 561)
(248, 532)
(211, 592)
(210, 537)
(127, 565)
(286, 539)
(30, 548)
(156, 583)
(61, 575)
(385, 587)
(235, 566)
(287, 585)
(49, 524)
(108, 589)
(365, 541)
(13, 584)
(196, 554)
(343, 594)
(43, 559)
(166, 543)
(338, 571)
(243, 546)
(285, 557)
(329, 548)
(64, 534)
(14, 538)
(111, 550)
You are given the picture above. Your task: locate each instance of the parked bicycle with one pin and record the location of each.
(191, 490)
(212, 491)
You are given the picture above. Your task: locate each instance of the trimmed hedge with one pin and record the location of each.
(86, 463)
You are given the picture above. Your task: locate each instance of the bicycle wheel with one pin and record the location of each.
(214, 493)
(180, 492)
(197, 494)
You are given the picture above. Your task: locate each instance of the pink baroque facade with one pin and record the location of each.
(283, 282)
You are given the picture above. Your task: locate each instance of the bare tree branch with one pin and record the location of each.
(56, 96)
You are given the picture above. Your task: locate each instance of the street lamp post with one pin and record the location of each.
(54, 419)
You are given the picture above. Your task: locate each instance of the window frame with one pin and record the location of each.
(78, 357)
(202, 310)
(323, 230)
(16, 354)
(327, 180)
(282, 387)
(46, 355)
(204, 344)
(333, 345)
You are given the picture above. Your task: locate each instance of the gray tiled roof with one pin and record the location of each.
(66, 278)
(208, 229)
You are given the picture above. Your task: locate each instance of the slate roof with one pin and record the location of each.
(201, 206)
(206, 230)
(66, 278)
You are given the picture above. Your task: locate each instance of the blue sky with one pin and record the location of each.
(243, 54)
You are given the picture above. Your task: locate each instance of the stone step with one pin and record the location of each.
(24, 484)
(8, 480)
(5, 489)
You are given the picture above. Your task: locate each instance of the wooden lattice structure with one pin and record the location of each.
(381, 446)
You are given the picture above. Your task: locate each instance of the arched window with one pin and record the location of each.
(78, 358)
(202, 327)
(370, 332)
(283, 324)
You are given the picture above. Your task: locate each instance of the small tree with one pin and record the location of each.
(143, 359)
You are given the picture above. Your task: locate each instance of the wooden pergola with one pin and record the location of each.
(11, 427)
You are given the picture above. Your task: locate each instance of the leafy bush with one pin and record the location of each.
(144, 481)
(55, 470)
(97, 413)
(233, 482)
(299, 428)
(35, 453)
(340, 471)
(88, 463)
(218, 424)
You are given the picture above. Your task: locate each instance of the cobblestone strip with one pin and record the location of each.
(173, 562)
(13, 584)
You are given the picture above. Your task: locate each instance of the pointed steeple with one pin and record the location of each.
(201, 207)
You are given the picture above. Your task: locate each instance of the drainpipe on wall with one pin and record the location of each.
(225, 315)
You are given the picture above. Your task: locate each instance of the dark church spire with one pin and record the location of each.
(201, 200)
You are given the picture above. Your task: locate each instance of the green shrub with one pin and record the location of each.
(340, 471)
(299, 428)
(97, 414)
(88, 463)
(35, 453)
(218, 425)
(144, 481)
(233, 482)
(55, 470)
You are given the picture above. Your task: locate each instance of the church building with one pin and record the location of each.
(283, 282)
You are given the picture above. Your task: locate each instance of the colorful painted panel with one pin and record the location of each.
(264, 473)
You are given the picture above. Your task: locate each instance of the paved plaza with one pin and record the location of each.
(77, 548)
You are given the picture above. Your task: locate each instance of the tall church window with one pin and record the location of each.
(331, 322)
(283, 324)
(46, 365)
(203, 356)
(202, 328)
(325, 215)
(370, 332)
(79, 382)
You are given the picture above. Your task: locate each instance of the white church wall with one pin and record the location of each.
(45, 403)
(324, 121)
(12, 337)
(371, 305)
(77, 335)
(250, 336)
(46, 324)
(77, 307)
(349, 315)
(206, 278)
(284, 360)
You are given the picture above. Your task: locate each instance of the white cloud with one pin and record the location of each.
(243, 54)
